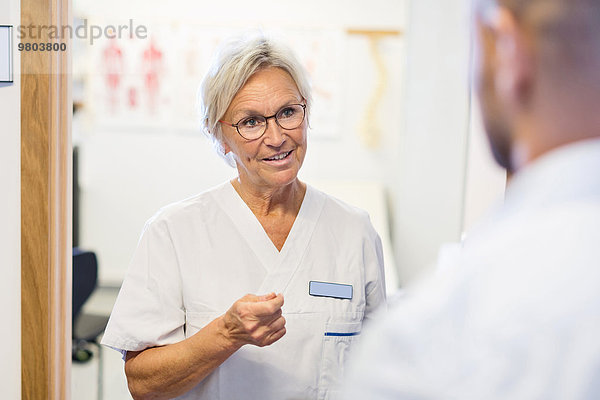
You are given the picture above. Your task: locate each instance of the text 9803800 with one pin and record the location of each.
(42, 46)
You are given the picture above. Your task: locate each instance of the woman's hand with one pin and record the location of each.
(255, 320)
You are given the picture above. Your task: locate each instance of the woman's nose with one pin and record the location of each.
(274, 133)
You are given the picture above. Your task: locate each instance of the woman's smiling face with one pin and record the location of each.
(274, 159)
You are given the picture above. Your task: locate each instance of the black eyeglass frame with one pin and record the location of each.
(236, 125)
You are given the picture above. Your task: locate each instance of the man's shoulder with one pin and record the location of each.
(541, 233)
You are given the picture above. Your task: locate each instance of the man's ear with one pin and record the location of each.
(513, 56)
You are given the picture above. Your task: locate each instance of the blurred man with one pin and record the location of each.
(519, 317)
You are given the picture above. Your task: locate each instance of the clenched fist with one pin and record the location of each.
(255, 320)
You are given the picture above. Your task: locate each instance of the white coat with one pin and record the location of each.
(518, 315)
(197, 257)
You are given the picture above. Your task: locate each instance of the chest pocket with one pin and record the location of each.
(338, 339)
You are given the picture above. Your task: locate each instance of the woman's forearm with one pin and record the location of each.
(169, 371)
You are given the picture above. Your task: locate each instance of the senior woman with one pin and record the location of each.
(183, 318)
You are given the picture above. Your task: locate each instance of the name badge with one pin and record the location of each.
(328, 289)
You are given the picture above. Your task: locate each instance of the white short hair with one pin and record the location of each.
(234, 63)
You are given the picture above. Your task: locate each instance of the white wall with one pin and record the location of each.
(431, 181)
(10, 220)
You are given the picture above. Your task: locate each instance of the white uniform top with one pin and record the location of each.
(519, 316)
(197, 257)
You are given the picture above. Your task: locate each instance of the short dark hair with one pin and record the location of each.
(566, 32)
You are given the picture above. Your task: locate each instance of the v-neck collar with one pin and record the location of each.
(253, 232)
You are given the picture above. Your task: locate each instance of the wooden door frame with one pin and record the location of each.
(46, 176)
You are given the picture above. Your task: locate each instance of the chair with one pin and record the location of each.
(86, 327)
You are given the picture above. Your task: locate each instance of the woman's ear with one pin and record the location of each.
(225, 147)
(222, 144)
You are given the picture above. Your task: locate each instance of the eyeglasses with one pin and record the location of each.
(253, 127)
